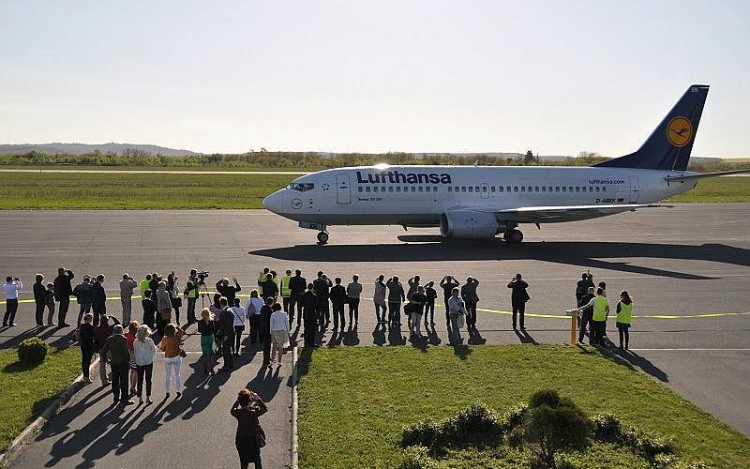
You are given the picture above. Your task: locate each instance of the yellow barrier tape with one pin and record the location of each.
(494, 311)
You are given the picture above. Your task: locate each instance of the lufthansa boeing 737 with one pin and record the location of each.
(480, 202)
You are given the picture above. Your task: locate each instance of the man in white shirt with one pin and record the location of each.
(11, 287)
(252, 309)
(239, 325)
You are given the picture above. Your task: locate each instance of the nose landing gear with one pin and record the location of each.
(322, 238)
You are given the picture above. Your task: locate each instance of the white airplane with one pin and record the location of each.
(478, 202)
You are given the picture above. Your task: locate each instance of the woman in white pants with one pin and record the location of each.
(170, 345)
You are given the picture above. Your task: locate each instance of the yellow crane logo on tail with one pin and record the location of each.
(679, 131)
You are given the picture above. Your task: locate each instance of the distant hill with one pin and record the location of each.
(82, 149)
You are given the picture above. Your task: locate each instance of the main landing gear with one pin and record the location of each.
(513, 236)
(322, 238)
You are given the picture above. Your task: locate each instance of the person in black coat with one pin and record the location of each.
(225, 331)
(98, 299)
(297, 285)
(86, 340)
(40, 299)
(265, 329)
(63, 290)
(149, 310)
(228, 291)
(518, 299)
(309, 310)
(586, 317)
(338, 300)
(582, 288)
(322, 286)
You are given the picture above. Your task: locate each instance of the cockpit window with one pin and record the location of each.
(302, 186)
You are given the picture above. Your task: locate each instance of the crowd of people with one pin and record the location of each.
(129, 347)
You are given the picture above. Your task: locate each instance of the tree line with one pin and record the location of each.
(308, 160)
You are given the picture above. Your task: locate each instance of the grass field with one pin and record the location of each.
(718, 190)
(354, 402)
(28, 391)
(136, 191)
(213, 191)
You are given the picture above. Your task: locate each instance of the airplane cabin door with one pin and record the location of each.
(634, 189)
(343, 191)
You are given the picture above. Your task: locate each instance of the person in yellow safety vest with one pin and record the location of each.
(624, 315)
(286, 292)
(191, 294)
(600, 306)
(262, 277)
(144, 284)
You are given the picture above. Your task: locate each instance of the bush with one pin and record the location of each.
(514, 417)
(607, 427)
(32, 351)
(475, 425)
(417, 457)
(652, 446)
(552, 425)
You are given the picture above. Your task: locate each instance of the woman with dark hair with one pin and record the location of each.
(216, 308)
(624, 315)
(246, 409)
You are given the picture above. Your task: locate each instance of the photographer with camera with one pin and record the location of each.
(11, 287)
(191, 293)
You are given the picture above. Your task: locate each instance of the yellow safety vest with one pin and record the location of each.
(600, 312)
(144, 285)
(261, 278)
(192, 291)
(286, 292)
(625, 311)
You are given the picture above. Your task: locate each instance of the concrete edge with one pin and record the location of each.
(295, 402)
(34, 427)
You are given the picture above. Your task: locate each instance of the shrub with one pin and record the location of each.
(417, 457)
(652, 446)
(552, 425)
(32, 351)
(474, 425)
(514, 417)
(607, 427)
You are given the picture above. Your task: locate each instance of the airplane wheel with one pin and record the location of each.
(323, 237)
(514, 236)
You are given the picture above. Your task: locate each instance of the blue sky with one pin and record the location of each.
(557, 77)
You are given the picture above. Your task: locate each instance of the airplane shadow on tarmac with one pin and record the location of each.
(588, 255)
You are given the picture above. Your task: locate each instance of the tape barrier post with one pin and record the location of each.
(573, 325)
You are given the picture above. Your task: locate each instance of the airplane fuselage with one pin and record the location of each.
(420, 195)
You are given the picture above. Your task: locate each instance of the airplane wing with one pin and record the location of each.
(690, 177)
(553, 214)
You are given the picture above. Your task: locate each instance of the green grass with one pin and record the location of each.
(718, 190)
(137, 191)
(354, 402)
(26, 391)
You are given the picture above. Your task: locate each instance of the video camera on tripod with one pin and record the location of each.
(201, 277)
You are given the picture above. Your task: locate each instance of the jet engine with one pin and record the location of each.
(468, 224)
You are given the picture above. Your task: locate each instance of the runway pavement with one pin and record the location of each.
(688, 269)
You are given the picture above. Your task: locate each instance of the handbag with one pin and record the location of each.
(183, 353)
(260, 437)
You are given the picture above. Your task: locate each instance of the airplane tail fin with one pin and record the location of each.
(669, 146)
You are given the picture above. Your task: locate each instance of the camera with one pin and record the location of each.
(202, 276)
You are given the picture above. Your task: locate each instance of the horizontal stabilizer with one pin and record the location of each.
(694, 176)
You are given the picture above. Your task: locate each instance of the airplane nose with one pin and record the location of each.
(272, 202)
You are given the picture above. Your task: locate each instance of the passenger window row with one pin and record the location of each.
(484, 188)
